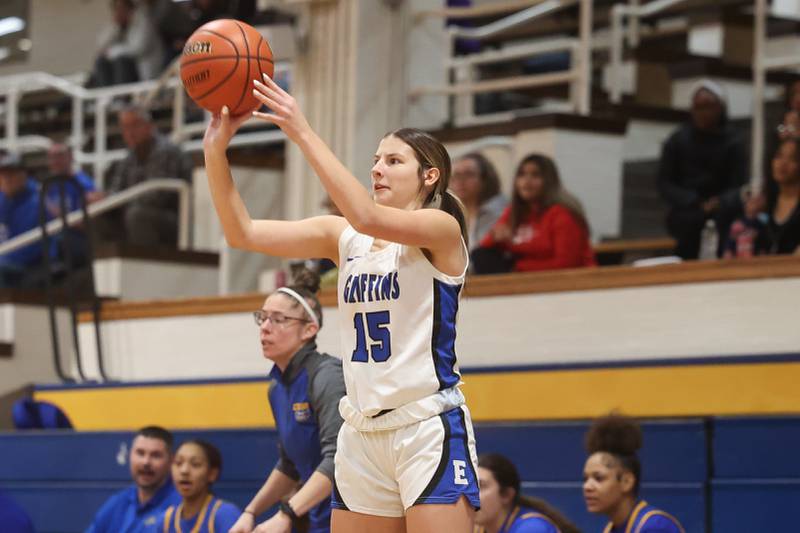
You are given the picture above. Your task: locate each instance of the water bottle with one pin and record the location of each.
(709, 241)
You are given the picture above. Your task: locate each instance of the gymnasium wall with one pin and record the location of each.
(64, 35)
(713, 348)
(722, 475)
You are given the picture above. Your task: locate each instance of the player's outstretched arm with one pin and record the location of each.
(424, 228)
(312, 237)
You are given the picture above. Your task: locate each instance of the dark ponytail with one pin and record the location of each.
(430, 153)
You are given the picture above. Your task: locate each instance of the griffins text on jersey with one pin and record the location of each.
(360, 288)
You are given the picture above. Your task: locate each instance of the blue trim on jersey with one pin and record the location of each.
(443, 341)
(455, 476)
(336, 499)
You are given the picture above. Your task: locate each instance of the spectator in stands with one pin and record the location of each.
(135, 508)
(152, 219)
(196, 467)
(544, 228)
(475, 182)
(771, 221)
(702, 170)
(19, 212)
(783, 199)
(612, 475)
(129, 49)
(304, 397)
(504, 509)
(13, 518)
(60, 168)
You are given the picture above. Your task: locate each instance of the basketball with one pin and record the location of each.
(219, 63)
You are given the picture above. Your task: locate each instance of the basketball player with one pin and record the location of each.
(611, 479)
(304, 396)
(197, 465)
(406, 453)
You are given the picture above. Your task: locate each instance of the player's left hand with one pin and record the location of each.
(286, 114)
(279, 523)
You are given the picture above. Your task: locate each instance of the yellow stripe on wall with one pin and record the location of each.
(212, 405)
(692, 390)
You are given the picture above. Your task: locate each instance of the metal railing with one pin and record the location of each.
(14, 87)
(635, 12)
(113, 202)
(463, 68)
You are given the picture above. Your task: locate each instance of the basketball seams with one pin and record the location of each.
(226, 83)
(247, 80)
(203, 59)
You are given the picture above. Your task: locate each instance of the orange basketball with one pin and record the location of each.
(219, 63)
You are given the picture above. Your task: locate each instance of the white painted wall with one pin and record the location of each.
(675, 321)
(644, 138)
(64, 36)
(136, 279)
(28, 328)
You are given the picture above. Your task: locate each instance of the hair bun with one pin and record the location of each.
(308, 279)
(615, 434)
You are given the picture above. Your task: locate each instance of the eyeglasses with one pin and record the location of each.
(277, 319)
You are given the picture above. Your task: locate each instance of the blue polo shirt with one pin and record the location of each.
(72, 195)
(122, 512)
(19, 214)
(13, 518)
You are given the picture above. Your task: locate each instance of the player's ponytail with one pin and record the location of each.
(430, 153)
(620, 437)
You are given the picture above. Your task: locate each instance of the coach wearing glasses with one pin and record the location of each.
(304, 396)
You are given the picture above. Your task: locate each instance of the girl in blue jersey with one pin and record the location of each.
(611, 479)
(405, 459)
(196, 466)
(304, 395)
(505, 510)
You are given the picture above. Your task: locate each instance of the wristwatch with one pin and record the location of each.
(286, 509)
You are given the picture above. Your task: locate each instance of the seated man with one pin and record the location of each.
(151, 220)
(19, 212)
(136, 508)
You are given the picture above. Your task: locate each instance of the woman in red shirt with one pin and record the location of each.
(544, 228)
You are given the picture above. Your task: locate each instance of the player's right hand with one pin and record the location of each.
(221, 129)
(244, 524)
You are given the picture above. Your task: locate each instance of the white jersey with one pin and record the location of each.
(398, 324)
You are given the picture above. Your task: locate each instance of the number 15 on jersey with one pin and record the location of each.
(376, 325)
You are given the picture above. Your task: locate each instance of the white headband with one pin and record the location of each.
(303, 302)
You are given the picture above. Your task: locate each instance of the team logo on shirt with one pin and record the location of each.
(302, 411)
(360, 288)
(150, 520)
